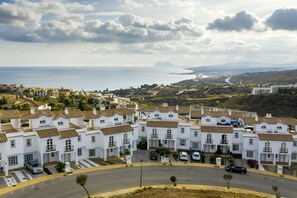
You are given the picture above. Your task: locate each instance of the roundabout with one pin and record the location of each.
(114, 178)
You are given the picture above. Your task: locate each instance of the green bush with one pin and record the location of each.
(60, 167)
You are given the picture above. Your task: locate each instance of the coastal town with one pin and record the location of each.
(119, 127)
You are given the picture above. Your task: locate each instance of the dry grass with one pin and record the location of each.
(187, 193)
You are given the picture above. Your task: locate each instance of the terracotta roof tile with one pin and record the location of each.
(9, 114)
(26, 115)
(3, 137)
(217, 129)
(68, 133)
(72, 113)
(48, 132)
(157, 108)
(184, 110)
(8, 128)
(116, 129)
(276, 137)
(162, 124)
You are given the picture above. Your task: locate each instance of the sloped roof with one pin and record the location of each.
(48, 132)
(162, 124)
(72, 113)
(3, 137)
(8, 128)
(9, 114)
(26, 115)
(116, 129)
(157, 108)
(68, 133)
(184, 110)
(217, 129)
(107, 113)
(276, 137)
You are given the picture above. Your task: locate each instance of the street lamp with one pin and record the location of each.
(140, 182)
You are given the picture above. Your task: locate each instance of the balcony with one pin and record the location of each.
(208, 141)
(154, 136)
(50, 148)
(126, 141)
(224, 141)
(283, 150)
(69, 148)
(267, 149)
(112, 144)
(168, 136)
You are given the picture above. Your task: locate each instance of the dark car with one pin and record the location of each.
(236, 169)
(253, 163)
(153, 155)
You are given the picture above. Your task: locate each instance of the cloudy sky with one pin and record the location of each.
(142, 32)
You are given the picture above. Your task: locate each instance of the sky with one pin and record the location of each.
(143, 32)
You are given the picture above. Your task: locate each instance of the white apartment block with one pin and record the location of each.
(67, 136)
(272, 89)
(72, 135)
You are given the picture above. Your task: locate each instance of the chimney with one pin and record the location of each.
(177, 107)
(94, 111)
(256, 118)
(268, 115)
(32, 110)
(202, 111)
(229, 112)
(66, 111)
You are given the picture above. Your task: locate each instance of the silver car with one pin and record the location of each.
(34, 166)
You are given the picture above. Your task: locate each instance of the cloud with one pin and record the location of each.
(238, 22)
(130, 4)
(283, 18)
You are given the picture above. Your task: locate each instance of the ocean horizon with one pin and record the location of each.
(92, 78)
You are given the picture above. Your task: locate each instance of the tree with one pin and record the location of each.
(82, 180)
(227, 178)
(173, 180)
(277, 193)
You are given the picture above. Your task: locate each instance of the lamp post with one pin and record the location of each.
(140, 182)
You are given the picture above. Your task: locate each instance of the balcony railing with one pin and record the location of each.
(50, 148)
(224, 141)
(267, 149)
(69, 148)
(126, 141)
(112, 144)
(168, 136)
(208, 141)
(154, 136)
(283, 150)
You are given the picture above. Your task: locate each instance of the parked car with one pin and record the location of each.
(34, 166)
(153, 155)
(196, 156)
(253, 163)
(236, 169)
(183, 156)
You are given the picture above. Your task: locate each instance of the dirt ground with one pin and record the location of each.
(185, 193)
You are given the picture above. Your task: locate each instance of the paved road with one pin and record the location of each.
(116, 179)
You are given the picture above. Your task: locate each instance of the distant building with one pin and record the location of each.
(64, 92)
(272, 89)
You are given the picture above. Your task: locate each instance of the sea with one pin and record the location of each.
(92, 78)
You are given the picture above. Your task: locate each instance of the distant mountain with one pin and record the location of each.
(241, 67)
(164, 64)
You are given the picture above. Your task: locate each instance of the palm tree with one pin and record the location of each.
(82, 180)
(173, 180)
(227, 178)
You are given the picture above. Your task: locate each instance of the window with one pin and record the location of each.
(182, 130)
(142, 128)
(13, 160)
(79, 152)
(125, 137)
(156, 115)
(93, 139)
(92, 153)
(111, 142)
(251, 141)
(49, 144)
(279, 127)
(295, 143)
(60, 123)
(68, 145)
(28, 157)
(195, 133)
(79, 138)
(154, 130)
(42, 121)
(116, 119)
(283, 145)
(208, 138)
(168, 133)
(207, 120)
(182, 142)
(294, 156)
(102, 121)
(170, 116)
(223, 120)
(249, 153)
(236, 135)
(263, 127)
(12, 143)
(267, 144)
(28, 142)
(235, 147)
